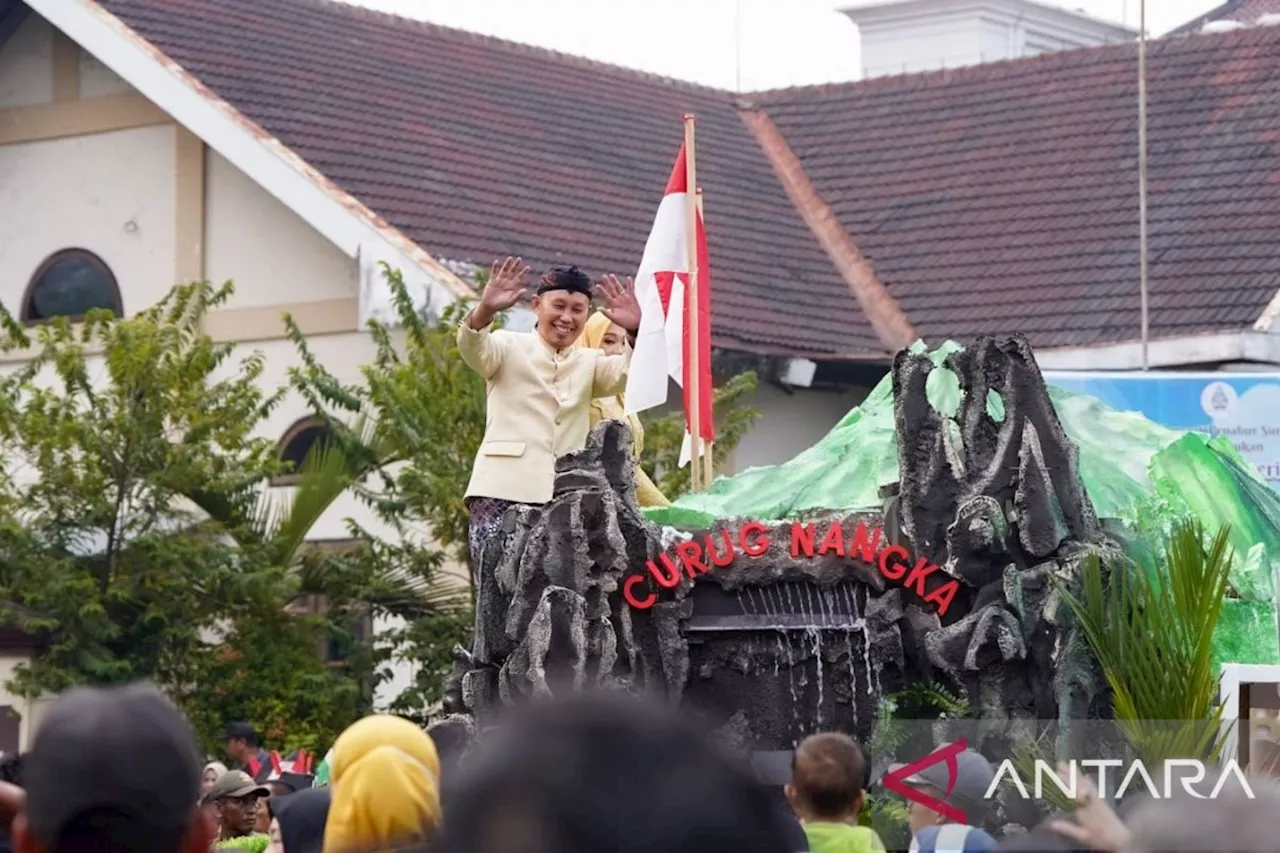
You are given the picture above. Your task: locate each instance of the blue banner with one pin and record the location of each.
(1244, 407)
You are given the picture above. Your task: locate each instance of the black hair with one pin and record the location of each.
(594, 773)
(115, 830)
(11, 768)
(241, 731)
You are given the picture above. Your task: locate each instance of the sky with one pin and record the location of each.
(733, 44)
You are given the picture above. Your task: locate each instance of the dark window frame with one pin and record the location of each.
(100, 266)
(291, 435)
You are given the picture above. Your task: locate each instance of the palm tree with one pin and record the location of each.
(1152, 634)
(275, 523)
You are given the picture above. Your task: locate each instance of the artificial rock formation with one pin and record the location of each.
(548, 614)
(775, 645)
(990, 489)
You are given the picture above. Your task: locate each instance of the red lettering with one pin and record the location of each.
(761, 544)
(942, 596)
(690, 554)
(865, 544)
(801, 539)
(628, 593)
(833, 541)
(899, 568)
(921, 570)
(671, 578)
(714, 556)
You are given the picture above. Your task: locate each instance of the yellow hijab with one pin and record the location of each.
(385, 786)
(593, 332)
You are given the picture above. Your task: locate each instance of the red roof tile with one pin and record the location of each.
(995, 199)
(475, 147)
(1003, 197)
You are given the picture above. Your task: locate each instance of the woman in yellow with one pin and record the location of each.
(384, 780)
(603, 334)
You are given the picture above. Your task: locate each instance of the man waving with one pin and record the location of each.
(540, 386)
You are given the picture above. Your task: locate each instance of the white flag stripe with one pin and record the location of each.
(659, 351)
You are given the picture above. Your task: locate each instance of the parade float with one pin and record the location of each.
(918, 542)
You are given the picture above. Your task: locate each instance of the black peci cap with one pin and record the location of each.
(571, 279)
(127, 749)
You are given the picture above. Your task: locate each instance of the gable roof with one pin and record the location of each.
(993, 199)
(344, 220)
(1004, 197)
(474, 147)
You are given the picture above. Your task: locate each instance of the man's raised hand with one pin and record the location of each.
(620, 302)
(505, 285)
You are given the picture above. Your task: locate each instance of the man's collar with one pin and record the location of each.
(537, 332)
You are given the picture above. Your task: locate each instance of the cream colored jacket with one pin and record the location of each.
(538, 407)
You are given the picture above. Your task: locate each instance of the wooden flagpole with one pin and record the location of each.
(708, 473)
(691, 314)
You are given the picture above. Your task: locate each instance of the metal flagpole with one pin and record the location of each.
(708, 473)
(1142, 178)
(691, 320)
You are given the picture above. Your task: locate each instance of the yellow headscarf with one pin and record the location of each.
(385, 786)
(594, 330)
(615, 408)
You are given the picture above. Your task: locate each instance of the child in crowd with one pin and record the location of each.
(828, 781)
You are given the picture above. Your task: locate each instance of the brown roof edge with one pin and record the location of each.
(883, 312)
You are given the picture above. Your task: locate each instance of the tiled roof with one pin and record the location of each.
(1004, 197)
(475, 147)
(995, 199)
(1243, 11)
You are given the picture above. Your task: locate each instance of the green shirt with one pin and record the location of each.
(842, 838)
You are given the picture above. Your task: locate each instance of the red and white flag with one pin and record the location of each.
(662, 344)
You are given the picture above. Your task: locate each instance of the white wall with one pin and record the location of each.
(790, 423)
(924, 35)
(29, 709)
(26, 58)
(272, 255)
(99, 81)
(110, 193)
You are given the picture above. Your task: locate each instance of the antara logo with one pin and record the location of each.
(896, 780)
(807, 539)
(1188, 773)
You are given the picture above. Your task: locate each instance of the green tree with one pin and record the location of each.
(138, 539)
(103, 429)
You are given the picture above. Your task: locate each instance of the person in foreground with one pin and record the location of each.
(828, 775)
(384, 787)
(297, 821)
(595, 773)
(540, 384)
(607, 336)
(112, 771)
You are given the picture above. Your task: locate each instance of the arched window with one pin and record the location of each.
(68, 284)
(296, 444)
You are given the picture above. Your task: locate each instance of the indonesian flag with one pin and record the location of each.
(662, 344)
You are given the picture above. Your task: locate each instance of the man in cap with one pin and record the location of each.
(540, 385)
(112, 771)
(966, 792)
(236, 799)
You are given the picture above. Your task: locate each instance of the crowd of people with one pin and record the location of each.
(118, 771)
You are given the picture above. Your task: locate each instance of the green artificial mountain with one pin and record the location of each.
(1136, 472)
